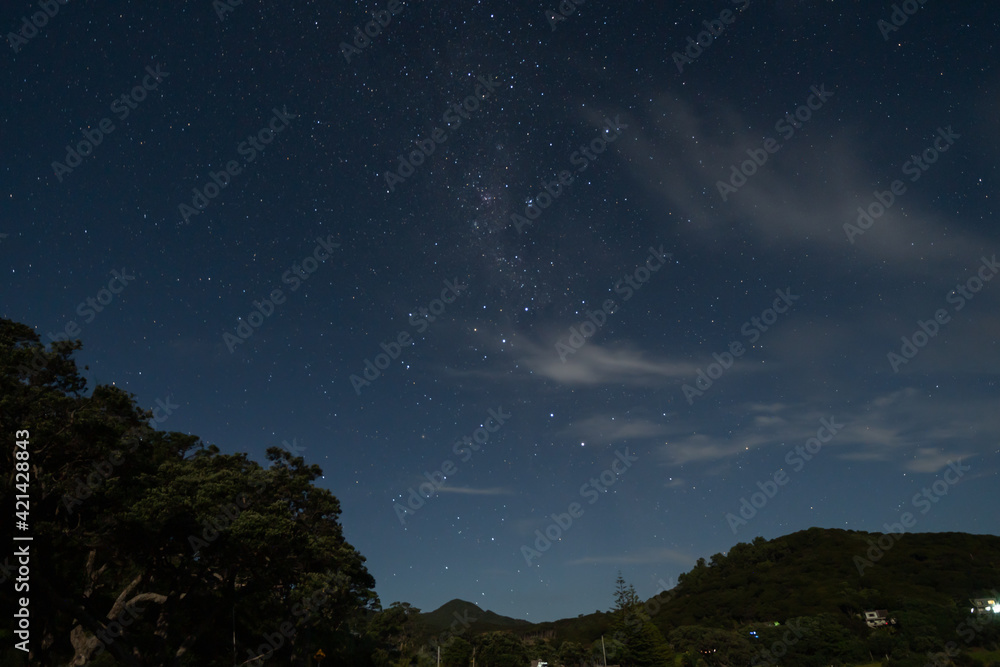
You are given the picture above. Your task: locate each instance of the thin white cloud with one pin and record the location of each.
(767, 407)
(916, 432)
(595, 365)
(767, 422)
(591, 365)
(930, 459)
(803, 194)
(641, 557)
(705, 448)
(608, 428)
(468, 490)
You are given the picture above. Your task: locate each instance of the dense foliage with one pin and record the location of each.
(800, 599)
(152, 548)
(635, 641)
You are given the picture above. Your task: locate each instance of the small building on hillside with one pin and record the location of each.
(985, 606)
(878, 618)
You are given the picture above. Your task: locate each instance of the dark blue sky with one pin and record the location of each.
(581, 224)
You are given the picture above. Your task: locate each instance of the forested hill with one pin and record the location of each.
(819, 571)
(467, 614)
(830, 573)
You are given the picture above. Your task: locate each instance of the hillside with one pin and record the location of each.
(439, 620)
(819, 571)
(824, 578)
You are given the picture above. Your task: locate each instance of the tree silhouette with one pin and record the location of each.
(636, 641)
(154, 547)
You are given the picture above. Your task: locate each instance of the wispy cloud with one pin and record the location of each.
(593, 365)
(468, 490)
(920, 433)
(932, 459)
(698, 448)
(639, 557)
(609, 428)
(803, 195)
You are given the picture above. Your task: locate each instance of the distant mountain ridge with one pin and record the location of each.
(469, 616)
(807, 573)
(819, 571)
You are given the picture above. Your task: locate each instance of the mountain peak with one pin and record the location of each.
(468, 612)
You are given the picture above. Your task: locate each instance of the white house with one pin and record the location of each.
(878, 618)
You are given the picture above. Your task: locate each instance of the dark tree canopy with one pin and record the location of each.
(636, 642)
(154, 548)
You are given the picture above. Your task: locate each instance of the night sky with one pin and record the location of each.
(581, 266)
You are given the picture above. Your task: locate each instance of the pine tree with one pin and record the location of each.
(636, 641)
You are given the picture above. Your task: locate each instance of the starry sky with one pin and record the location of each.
(647, 278)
